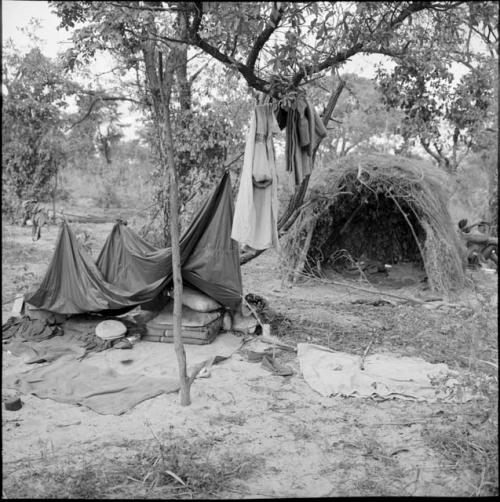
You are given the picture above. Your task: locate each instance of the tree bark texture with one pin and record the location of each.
(54, 195)
(160, 83)
(185, 398)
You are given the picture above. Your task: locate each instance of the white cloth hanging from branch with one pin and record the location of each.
(256, 208)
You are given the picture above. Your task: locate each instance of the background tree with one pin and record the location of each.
(34, 146)
(446, 120)
(360, 121)
(95, 141)
(277, 47)
(456, 123)
(203, 135)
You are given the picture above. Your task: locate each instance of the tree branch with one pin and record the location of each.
(122, 5)
(332, 103)
(252, 79)
(388, 52)
(98, 100)
(195, 39)
(430, 152)
(157, 38)
(342, 56)
(443, 7)
(198, 15)
(193, 77)
(248, 70)
(233, 160)
(354, 145)
(272, 24)
(335, 60)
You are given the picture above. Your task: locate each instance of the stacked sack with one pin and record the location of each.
(202, 320)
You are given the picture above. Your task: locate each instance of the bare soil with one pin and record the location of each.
(302, 444)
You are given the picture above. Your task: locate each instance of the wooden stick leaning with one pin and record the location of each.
(362, 363)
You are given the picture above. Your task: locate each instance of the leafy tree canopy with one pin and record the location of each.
(33, 149)
(360, 116)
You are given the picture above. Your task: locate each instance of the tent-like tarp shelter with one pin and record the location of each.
(130, 271)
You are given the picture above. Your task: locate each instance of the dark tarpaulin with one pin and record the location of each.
(129, 271)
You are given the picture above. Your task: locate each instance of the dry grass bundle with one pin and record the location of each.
(381, 207)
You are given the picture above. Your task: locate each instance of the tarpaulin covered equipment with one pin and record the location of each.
(130, 271)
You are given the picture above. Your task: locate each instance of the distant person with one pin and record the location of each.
(482, 227)
(38, 216)
(40, 219)
(28, 208)
(481, 247)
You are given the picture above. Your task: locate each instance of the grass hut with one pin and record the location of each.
(380, 207)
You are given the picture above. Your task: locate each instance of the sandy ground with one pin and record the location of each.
(309, 446)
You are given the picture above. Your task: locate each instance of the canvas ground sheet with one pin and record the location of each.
(113, 381)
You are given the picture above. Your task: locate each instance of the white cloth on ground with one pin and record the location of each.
(385, 375)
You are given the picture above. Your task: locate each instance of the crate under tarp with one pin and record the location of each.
(197, 327)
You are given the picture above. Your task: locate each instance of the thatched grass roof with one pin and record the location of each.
(385, 207)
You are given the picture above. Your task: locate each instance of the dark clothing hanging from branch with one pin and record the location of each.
(304, 131)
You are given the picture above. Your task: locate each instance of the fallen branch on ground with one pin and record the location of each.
(372, 291)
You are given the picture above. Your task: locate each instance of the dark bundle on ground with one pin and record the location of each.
(379, 207)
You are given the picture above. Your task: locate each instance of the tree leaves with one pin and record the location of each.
(445, 117)
(32, 125)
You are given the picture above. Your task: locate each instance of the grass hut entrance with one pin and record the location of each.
(378, 208)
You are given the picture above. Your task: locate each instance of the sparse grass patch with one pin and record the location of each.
(472, 443)
(471, 449)
(172, 466)
(51, 481)
(370, 487)
(236, 419)
(301, 431)
(457, 337)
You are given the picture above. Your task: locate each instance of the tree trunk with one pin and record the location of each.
(54, 195)
(299, 266)
(386, 136)
(344, 142)
(176, 260)
(180, 68)
(454, 158)
(160, 84)
(442, 161)
(336, 145)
